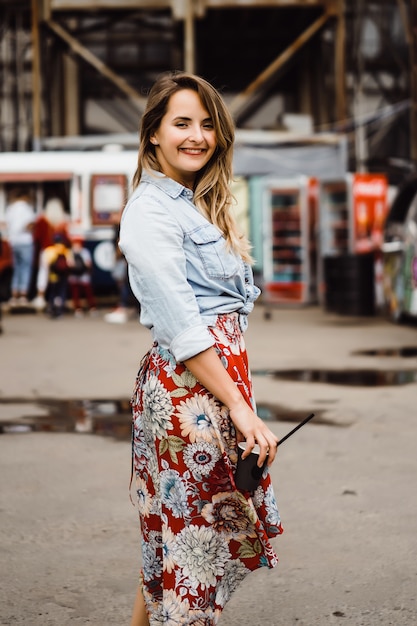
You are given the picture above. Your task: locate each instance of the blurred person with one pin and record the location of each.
(20, 218)
(52, 283)
(79, 278)
(190, 270)
(6, 270)
(57, 218)
(52, 221)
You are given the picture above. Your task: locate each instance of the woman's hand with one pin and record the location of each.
(251, 428)
(209, 371)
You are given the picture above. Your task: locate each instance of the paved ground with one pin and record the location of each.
(346, 488)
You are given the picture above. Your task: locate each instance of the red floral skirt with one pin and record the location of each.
(200, 535)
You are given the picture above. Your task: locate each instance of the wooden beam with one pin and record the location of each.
(71, 95)
(271, 4)
(413, 80)
(101, 67)
(241, 100)
(36, 79)
(177, 6)
(189, 38)
(340, 66)
(404, 18)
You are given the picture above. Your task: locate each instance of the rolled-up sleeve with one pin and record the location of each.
(151, 239)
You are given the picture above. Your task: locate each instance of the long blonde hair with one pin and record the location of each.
(212, 194)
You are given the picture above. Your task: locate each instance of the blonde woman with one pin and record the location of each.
(190, 270)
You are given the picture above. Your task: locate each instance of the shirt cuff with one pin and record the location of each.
(191, 342)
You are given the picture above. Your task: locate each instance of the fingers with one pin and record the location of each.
(264, 449)
(273, 449)
(251, 428)
(268, 451)
(267, 443)
(250, 442)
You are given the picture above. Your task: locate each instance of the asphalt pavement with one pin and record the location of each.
(345, 482)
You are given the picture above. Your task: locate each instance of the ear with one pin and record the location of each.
(154, 140)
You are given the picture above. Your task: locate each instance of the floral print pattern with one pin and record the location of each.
(200, 535)
(197, 417)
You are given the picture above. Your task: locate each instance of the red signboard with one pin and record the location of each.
(370, 206)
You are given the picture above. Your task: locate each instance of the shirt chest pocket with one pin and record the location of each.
(212, 250)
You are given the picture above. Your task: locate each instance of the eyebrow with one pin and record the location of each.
(188, 119)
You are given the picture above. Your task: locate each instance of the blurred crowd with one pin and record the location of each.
(44, 267)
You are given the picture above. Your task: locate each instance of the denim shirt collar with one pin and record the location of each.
(165, 184)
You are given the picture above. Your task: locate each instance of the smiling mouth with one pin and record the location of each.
(196, 151)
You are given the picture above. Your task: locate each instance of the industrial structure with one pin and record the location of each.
(324, 97)
(80, 68)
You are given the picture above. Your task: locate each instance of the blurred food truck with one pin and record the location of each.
(90, 186)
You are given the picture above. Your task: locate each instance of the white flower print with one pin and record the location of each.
(200, 458)
(258, 497)
(152, 564)
(155, 539)
(202, 554)
(168, 541)
(144, 497)
(156, 612)
(196, 416)
(173, 493)
(234, 573)
(204, 618)
(272, 514)
(157, 407)
(139, 446)
(174, 609)
(153, 468)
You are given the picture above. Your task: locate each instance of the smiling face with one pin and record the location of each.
(185, 140)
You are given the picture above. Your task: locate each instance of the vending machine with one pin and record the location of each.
(352, 212)
(289, 250)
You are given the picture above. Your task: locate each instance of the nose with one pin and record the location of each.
(196, 133)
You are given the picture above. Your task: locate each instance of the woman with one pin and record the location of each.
(20, 217)
(189, 269)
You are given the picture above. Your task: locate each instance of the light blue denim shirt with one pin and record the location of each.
(180, 268)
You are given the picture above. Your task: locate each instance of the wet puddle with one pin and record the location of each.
(354, 378)
(405, 352)
(359, 377)
(103, 417)
(276, 413)
(99, 417)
